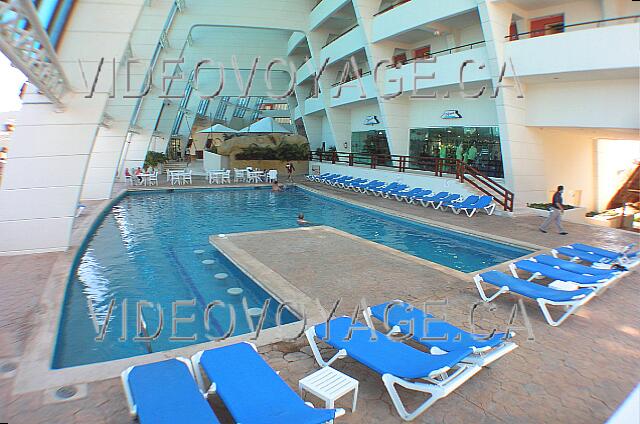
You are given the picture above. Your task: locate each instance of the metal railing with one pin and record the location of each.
(563, 27)
(440, 167)
(364, 74)
(443, 52)
(393, 6)
(342, 34)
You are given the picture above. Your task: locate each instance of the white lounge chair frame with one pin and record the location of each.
(124, 376)
(571, 306)
(438, 383)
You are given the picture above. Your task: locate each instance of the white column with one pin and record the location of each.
(522, 151)
(51, 148)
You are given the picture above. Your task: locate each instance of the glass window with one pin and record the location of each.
(477, 146)
(222, 108)
(370, 143)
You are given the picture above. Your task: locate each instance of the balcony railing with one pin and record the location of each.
(440, 167)
(351, 78)
(343, 33)
(393, 6)
(561, 27)
(444, 52)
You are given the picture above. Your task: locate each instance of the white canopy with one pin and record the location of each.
(265, 125)
(217, 128)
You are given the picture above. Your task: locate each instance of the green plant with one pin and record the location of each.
(154, 159)
(546, 206)
(283, 151)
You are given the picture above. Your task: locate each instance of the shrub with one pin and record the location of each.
(283, 152)
(546, 206)
(153, 159)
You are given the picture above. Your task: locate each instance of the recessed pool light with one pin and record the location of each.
(235, 291)
(220, 276)
(198, 251)
(208, 262)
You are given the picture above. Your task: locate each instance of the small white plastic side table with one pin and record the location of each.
(329, 385)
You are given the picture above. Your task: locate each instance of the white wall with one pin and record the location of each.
(327, 134)
(480, 112)
(611, 103)
(360, 112)
(571, 159)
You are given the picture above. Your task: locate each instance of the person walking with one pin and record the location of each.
(555, 213)
(290, 169)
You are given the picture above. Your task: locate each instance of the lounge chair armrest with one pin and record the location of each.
(438, 372)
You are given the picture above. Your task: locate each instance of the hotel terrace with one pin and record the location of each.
(303, 211)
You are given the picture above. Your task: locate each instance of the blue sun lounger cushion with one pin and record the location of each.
(434, 333)
(604, 252)
(557, 274)
(581, 254)
(574, 267)
(252, 391)
(166, 393)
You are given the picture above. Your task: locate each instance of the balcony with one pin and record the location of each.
(294, 41)
(306, 71)
(415, 13)
(313, 104)
(343, 45)
(323, 11)
(352, 93)
(446, 67)
(607, 48)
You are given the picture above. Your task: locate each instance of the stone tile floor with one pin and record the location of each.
(576, 373)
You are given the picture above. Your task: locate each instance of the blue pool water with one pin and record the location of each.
(144, 250)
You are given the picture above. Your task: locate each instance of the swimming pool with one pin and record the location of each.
(151, 247)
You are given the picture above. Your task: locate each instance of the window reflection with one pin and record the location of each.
(477, 146)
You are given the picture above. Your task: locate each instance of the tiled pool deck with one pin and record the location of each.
(576, 373)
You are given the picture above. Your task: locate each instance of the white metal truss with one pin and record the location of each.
(25, 42)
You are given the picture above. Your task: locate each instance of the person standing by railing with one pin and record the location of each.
(555, 214)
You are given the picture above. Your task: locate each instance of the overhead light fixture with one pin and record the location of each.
(436, 33)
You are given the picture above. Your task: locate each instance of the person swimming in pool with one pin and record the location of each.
(276, 187)
(301, 221)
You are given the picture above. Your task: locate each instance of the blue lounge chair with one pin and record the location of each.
(436, 202)
(387, 194)
(382, 191)
(574, 267)
(455, 199)
(317, 178)
(350, 184)
(330, 177)
(484, 203)
(439, 336)
(338, 181)
(431, 200)
(581, 255)
(398, 363)
(542, 294)
(368, 188)
(251, 390)
(624, 257)
(407, 194)
(537, 269)
(166, 393)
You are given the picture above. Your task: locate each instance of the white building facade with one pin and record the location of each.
(531, 92)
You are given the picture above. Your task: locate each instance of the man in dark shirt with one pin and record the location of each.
(555, 214)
